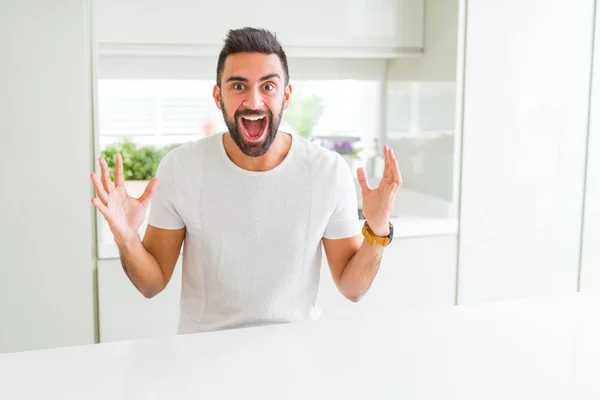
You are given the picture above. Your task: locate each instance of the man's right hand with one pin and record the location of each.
(124, 214)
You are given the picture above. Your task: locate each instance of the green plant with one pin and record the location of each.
(139, 162)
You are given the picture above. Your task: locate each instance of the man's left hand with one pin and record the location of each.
(378, 203)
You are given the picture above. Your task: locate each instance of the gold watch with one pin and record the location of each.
(373, 239)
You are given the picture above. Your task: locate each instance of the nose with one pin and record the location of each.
(254, 100)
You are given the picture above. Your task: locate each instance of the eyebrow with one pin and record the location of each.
(242, 79)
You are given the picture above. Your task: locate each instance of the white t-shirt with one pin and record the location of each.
(252, 250)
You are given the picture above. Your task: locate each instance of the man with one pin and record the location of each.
(251, 207)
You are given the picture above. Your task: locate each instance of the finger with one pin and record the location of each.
(387, 172)
(386, 155)
(362, 180)
(100, 192)
(119, 181)
(106, 182)
(149, 191)
(102, 208)
(397, 177)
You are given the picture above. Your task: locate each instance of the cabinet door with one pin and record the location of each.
(524, 140)
(414, 273)
(46, 240)
(359, 23)
(380, 25)
(590, 251)
(124, 313)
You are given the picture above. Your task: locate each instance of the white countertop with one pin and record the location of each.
(408, 227)
(533, 349)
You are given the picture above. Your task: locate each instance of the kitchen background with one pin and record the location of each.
(491, 108)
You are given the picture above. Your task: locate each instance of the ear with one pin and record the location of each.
(286, 96)
(217, 96)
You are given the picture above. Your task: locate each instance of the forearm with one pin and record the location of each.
(141, 267)
(359, 273)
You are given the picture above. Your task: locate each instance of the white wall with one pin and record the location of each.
(590, 252)
(525, 125)
(46, 230)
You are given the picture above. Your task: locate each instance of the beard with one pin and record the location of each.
(252, 149)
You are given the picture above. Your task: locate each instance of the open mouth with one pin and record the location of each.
(253, 127)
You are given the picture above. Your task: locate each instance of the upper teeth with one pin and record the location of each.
(253, 118)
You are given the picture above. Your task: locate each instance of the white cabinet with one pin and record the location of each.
(46, 227)
(415, 272)
(124, 313)
(590, 256)
(354, 23)
(310, 27)
(524, 144)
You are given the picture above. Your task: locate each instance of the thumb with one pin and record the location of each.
(362, 180)
(149, 191)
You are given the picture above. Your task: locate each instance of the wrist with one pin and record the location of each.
(380, 230)
(127, 241)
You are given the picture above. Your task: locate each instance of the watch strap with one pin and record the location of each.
(373, 239)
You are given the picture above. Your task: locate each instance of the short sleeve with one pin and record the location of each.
(344, 221)
(163, 205)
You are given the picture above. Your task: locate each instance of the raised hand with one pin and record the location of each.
(124, 214)
(378, 203)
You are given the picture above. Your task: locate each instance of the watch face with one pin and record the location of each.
(391, 236)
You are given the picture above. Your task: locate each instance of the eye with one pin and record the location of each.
(269, 86)
(237, 86)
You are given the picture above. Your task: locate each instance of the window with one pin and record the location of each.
(174, 111)
(156, 112)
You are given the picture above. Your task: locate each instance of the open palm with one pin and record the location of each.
(124, 213)
(378, 203)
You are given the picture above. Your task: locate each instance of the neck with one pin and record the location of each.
(272, 158)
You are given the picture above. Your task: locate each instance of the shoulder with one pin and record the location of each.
(184, 156)
(319, 158)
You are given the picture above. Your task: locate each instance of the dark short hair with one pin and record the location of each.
(251, 40)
